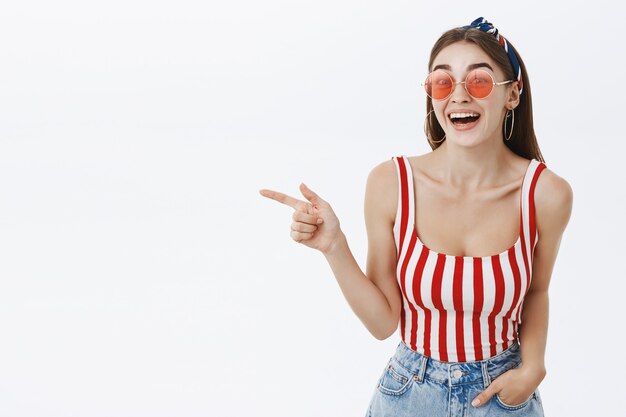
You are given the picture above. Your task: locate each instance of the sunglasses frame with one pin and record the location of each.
(464, 82)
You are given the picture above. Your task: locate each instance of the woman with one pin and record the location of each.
(441, 262)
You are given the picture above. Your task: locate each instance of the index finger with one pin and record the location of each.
(284, 198)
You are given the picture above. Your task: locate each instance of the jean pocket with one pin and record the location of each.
(509, 407)
(505, 368)
(395, 380)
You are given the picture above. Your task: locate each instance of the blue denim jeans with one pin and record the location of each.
(415, 385)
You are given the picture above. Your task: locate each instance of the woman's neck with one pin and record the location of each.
(472, 168)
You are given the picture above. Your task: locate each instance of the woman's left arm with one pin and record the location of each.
(553, 199)
(553, 207)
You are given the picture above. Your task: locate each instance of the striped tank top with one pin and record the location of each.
(461, 308)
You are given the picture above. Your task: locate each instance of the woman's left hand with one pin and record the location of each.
(513, 387)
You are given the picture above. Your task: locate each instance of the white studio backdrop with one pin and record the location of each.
(142, 274)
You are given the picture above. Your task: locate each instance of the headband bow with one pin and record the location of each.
(482, 24)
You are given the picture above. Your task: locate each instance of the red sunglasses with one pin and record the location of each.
(478, 84)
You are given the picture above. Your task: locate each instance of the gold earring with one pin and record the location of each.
(426, 120)
(512, 123)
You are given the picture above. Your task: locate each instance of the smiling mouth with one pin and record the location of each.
(463, 118)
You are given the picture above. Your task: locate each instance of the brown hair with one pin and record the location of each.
(523, 141)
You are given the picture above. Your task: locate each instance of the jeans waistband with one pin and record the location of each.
(457, 373)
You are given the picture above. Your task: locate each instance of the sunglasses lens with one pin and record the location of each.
(479, 83)
(438, 85)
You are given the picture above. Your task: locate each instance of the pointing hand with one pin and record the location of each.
(314, 221)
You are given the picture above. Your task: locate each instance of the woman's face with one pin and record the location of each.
(458, 60)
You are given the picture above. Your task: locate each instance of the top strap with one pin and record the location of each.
(529, 233)
(405, 213)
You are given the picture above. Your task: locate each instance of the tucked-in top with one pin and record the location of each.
(461, 308)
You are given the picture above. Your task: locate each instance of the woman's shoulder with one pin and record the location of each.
(550, 185)
(553, 198)
(381, 191)
(382, 188)
(382, 176)
(386, 172)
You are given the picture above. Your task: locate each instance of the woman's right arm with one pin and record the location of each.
(375, 296)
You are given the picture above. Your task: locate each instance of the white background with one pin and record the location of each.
(141, 273)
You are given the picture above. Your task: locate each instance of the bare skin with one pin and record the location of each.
(467, 204)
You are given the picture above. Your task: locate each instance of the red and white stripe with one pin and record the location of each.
(458, 309)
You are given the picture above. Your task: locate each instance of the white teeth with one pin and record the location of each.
(462, 115)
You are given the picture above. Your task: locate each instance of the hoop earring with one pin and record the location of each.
(426, 120)
(512, 123)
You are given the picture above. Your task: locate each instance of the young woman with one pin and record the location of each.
(462, 242)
